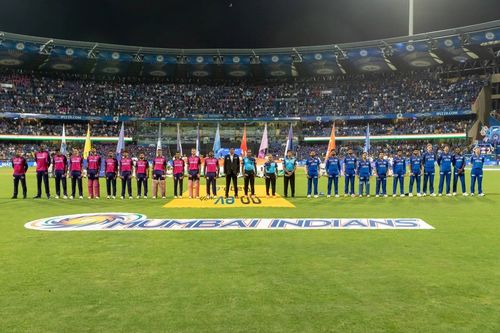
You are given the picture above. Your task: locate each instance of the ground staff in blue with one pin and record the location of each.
(289, 167)
(364, 173)
(444, 162)
(398, 172)
(458, 162)
(415, 171)
(312, 169)
(333, 168)
(270, 171)
(476, 173)
(350, 163)
(381, 168)
(429, 161)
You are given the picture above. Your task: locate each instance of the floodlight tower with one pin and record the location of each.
(410, 18)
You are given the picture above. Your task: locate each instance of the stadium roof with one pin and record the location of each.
(452, 46)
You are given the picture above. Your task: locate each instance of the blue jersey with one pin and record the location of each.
(381, 166)
(289, 163)
(415, 163)
(458, 161)
(399, 165)
(444, 162)
(249, 164)
(332, 166)
(270, 167)
(350, 163)
(429, 160)
(477, 162)
(364, 168)
(312, 165)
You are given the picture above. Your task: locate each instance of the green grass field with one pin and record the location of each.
(442, 280)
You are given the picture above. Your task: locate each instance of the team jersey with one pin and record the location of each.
(211, 164)
(75, 163)
(20, 165)
(111, 165)
(312, 165)
(364, 168)
(178, 165)
(429, 161)
(126, 164)
(289, 163)
(42, 160)
(415, 163)
(60, 163)
(444, 162)
(458, 161)
(249, 164)
(94, 162)
(399, 165)
(350, 163)
(194, 163)
(477, 162)
(270, 167)
(141, 166)
(332, 165)
(381, 166)
(159, 163)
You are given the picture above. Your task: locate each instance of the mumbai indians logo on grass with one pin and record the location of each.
(131, 221)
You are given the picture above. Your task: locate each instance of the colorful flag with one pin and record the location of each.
(289, 140)
(243, 145)
(367, 139)
(217, 146)
(264, 143)
(198, 140)
(63, 141)
(158, 144)
(331, 142)
(179, 144)
(88, 144)
(120, 146)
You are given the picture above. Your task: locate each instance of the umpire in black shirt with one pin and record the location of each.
(231, 170)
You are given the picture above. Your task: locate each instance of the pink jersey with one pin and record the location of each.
(93, 162)
(42, 160)
(141, 166)
(194, 163)
(111, 165)
(178, 166)
(159, 163)
(76, 163)
(20, 165)
(211, 164)
(126, 165)
(60, 163)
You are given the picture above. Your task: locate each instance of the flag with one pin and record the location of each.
(158, 144)
(120, 146)
(367, 139)
(289, 140)
(331, 142)
(88, 144)
(179, 144)
(63, 141)
(243, 145)
(217, 146)
(264, 143)
(198, 140)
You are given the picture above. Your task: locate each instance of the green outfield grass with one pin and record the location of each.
(442, 280)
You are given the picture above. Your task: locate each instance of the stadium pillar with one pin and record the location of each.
(410, 18)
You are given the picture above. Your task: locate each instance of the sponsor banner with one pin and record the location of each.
(132, 221)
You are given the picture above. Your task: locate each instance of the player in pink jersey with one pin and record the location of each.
(42, 159)
(159, 167)
(211, 173)
(194, 169)
(75, 169)
(20, 166)
(59, 170)
(178, 172)
(125, 165)
(142, 175)
(93, 169)
(111, 171)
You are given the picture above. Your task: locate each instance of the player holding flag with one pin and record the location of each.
(111, 170)
(76, 169)
(429, 161)
(444, 162)
(476, 173)
(416, 171)
(211, 171)
(364, 173)
(142, 175)
(125, 171)
(93, 169)
(398, 172)
(381, 168)
(312, 170)
(194, 169)
(333, 168)
(178, 165)
(159, 167)
(59, 170)
(458, 162)
(350, 163)
(20, 166)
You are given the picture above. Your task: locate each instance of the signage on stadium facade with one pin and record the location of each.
(132, 221)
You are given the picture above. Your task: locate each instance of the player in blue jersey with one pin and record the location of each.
(458, 162)
(444, 162)
(249, 171)
(350, 164)
(333, 168)
(429, 162)
(364, 173)
(381, 169)
(415, 171)
(312, 169)
(398, 172)
(476, 173)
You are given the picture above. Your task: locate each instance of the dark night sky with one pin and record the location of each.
(244, 24)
